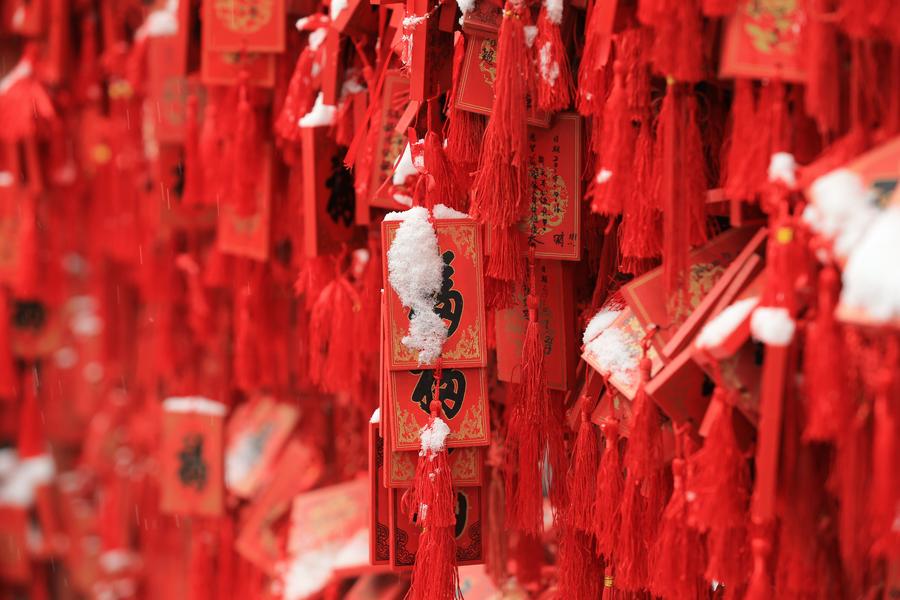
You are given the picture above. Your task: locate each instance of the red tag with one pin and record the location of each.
(249, 235)
(191, 459)
(167, 83)
(625, 333)
(256, 433)
(461, 302)
(556, 317)
(328, 194)
(678, 390)
(298, 469)
(485, 17)
(464, 404)
(224, 68)
(470, 517)
(476, 84)
(244, 25)
(552, 220)
(379, 512)
(388, 142)
(762, 41)
(357, 18)
(466, 467)
(646, 295)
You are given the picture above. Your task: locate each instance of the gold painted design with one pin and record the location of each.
(244, 16)
(408, 428)
(549, 200)
(465, 467)
(464, 237)
(771, 25)
(403, 468)
(487, 61)
(472, 427)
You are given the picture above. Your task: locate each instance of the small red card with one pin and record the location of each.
(616, 353)
(328, 194)
(298, 469)
(466, 467)
(552, 221)
(256, 433)
(762, 41)
(167, 83)
(249, 235)
(464, 404)
(244, 25)
(470, 519)
(647, 297)
(191, 461)
(379, 501)
(476, 83)
(460, 302)
(556, 316)
(224, 68)
(388, 142)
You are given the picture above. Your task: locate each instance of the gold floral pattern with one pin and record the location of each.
(244, 16)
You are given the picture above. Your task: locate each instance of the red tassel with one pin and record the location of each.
(226, 565)
(611, 186)
(608, 495)
(246, 367)
(641, 227)
(827, 408)
(25, 279)
(644, 495)
(211, 154)
(554, 81)
(682, 183)
(444, 185)
(497, 542)
(30, 441)
(677, 557)
(193, 168)
(821, 53)
(760, 587)
(201, 569)
(244, 158)
(592, 73)
(8, 377)
(300, 97)
(745, 161)
(719, 483)
(678, 41)
(435, 576)
(464, 129)
(24, 104)
(885, 492)
(332, 344)
(578, 565)
(500, 189)
(583, 476)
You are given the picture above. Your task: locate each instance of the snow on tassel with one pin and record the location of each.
(644, 494)
(501, 186)
(677, 555)
(534, 432)
(244, 153)
(435, 575)
(193, 167)
(415, 272)
(333, 347)
(718, 493)
(608, 495)
(554, 82)
(682, 181)
(583, 475)
(823, 365)
(842, 209)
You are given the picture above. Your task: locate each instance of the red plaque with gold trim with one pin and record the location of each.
(244, 25)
